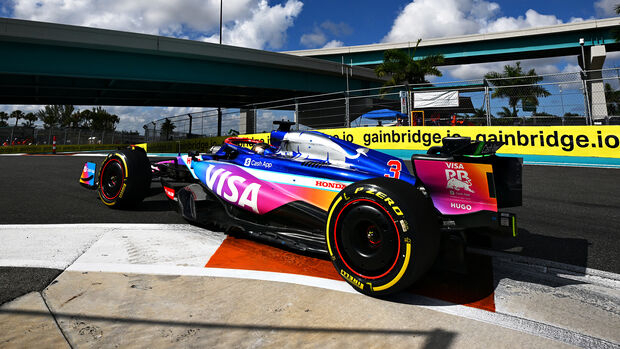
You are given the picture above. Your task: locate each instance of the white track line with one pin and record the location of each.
(181, 249)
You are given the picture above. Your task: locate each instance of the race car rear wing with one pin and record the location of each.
(469, 184)
(502, 174)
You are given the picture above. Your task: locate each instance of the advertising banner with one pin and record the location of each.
(586, 141)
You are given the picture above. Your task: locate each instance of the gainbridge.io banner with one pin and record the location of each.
(587, 141)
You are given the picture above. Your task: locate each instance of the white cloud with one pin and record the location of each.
(606, 8)
(314, 39)
(266, 27)
(337, 29)
(431, 19)
(531, 19)
(318, 37)
(571, 68)
(334, 43)
(248, 23)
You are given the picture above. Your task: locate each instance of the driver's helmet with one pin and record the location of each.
(259, 148)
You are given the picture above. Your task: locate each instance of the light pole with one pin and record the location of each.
(584, 78)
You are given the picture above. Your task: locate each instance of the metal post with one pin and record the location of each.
(65, 143)
(190, 125)
(219, 122)
(79, 133)
(220, 25)
(409, 107)
(255, 116)
(584, 77)
(346, 109)
(487, 101)
(296, 115)
(562, 102)
(586, 99)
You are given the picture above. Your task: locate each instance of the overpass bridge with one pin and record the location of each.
(540, 42)
(44, 63)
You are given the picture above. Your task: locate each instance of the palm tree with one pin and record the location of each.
(479, 113)
(30, 119)
(99, 119)
(507, 113)
(3, 116)
(517, 86)
(403, 68)
(167, 127)
(50, 115)
(17, 114)
(613, 100)
(66, 115)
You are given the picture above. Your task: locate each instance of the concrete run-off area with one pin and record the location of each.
(157, 285)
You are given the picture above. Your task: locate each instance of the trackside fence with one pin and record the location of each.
(575, 98)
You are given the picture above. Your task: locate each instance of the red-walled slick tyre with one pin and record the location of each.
(124, 178)
(382, 235)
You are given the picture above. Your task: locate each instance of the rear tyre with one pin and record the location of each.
(382, 235)
(124, 178)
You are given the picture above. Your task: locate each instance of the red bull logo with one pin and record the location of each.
(457, 178)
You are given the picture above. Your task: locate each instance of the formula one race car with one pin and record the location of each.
(379, 222)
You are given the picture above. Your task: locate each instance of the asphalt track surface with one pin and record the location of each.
(569, 215)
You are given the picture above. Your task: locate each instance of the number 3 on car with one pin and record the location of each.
(395, 168)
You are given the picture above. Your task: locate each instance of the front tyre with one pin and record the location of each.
(124, 178)
(382, 235)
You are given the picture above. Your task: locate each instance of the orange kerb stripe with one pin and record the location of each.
(475, 290)
(246, 254)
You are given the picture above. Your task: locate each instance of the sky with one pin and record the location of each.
(307, 24)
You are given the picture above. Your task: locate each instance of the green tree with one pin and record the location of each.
(3, 117)
(99, 119)
(80, 119)
(67, 115)
(517, 85)
(613, 100)
(16, 114)
(30, 119)
(507, 113)
(479, 113)
(403, 68)
(166, 128)
(49, 115)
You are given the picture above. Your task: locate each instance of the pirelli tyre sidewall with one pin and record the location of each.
(382, 235)
(124, 178)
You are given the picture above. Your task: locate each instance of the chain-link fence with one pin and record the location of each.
(576, 98)
(21, 135)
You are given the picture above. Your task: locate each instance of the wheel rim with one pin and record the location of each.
(367, 239)
(112, 177)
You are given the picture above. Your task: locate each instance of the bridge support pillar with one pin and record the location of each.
(247, 121)
(595, 57)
